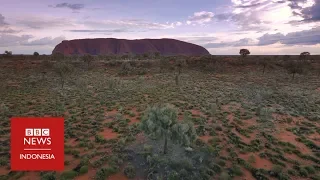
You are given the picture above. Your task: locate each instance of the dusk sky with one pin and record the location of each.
(221, 26)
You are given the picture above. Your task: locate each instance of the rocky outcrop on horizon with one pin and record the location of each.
(108, 46)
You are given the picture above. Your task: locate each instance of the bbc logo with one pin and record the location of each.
(37, 132)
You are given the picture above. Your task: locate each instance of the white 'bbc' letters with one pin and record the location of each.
(37, 132)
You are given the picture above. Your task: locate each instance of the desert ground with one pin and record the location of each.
(253, 120)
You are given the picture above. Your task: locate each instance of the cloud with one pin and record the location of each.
(2, 20)
(268, 39)
(312, 13)
(241, 42)
(97, 31)
(245, 21)
(67, 5)
(129, 24)
(44, 41)
(309, 10)
(44, 23)
(200, 17)
(8, 31)
(178, 23)
(13, 40)
(264, 15)
(7, 40)
(249, 15)
(197, 39)
(306, 37)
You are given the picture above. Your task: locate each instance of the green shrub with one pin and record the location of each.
(310, 169)
(173, 175)
(221, 163)
(84, 161)
(292, 172)
(224, 176)
(183, 174)
(215, 167)
(316, 177)
(236, 170)
(68, 175)
(3, 161)
(83, 170)
(147, 148)
(303, 172)
(251, 159)
(277, 169)
(48, 176)
(129, 171)
(103, 173)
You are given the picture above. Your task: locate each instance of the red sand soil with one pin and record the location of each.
(196, 113)
(260, 162)
(250, 122)
(283, 118)
(111, 113)
(205, 138)
(4, 170)
(244, 138)
(108, 134)
(30, 176)
(13, 84)
(118, 176)
(295, 157)
(230, 117)
(71, 142)
(233, 106)
(287, 136)
(315, 138)
(135, 118)
(72, 162)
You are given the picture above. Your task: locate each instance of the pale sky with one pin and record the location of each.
(221, 26)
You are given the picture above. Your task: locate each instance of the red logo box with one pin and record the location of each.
(37, 144)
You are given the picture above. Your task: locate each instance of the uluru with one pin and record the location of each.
(107, 46)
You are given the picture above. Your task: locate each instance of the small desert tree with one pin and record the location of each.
(157, 54)
(265, 62)
(8, 53)
(294, 67)
(146, 55)
(244, 52)
(180, 64)
(164, 64)
(161, 121)
(88, 59)
(63, 70)
(58, 56)
(304, 55)
(36, 54)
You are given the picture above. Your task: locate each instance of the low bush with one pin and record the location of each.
(83, 170)
(130, 171)
(66, 175)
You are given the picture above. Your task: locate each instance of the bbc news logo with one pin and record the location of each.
(36, 137)
(37, 144)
